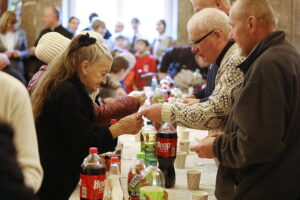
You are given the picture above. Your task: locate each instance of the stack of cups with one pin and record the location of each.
(180, 160)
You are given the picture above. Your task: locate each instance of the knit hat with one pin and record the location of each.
(50, 45)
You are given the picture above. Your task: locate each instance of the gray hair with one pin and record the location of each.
(210, 19)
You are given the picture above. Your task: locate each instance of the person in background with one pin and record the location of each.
(259, 152)
(208, 32)
(12, 181)
(15, 109)
(106, 35)
(118, 68)
(121, 43)
(119, 28)
(13, 41)
(180, 63)
(145, 63)
(5, 67)
(161, 42)
(53, 44)
(135, 24)
(51, 19)
(99, 26)
(73, 24)
(65, 119)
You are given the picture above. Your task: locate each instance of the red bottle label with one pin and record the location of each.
(166, 147)
(92, 186)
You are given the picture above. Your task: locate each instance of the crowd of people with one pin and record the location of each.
(250, 104)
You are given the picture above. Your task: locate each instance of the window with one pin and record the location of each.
(111, 11)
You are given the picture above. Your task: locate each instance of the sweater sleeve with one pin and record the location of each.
(212, 114)
(117, 109)
(24, 46)
(79, 132)
(25, 136)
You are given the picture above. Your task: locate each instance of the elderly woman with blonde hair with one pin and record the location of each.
(65, 119)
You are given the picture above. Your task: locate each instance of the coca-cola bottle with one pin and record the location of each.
(166, 152)
(92, 177)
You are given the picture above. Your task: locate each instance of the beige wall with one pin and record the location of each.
(32, 16)
(287, 13)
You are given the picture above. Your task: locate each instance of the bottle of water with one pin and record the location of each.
(152, 181)
(154, 83)
(134, 176)
(113, 186)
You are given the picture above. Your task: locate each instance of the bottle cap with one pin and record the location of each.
(152, 161)
(93, 150)
(114, 159)
(113, 121)
(140, 155)
(149, 123)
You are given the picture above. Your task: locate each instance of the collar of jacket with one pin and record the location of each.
(76, 81)
(271, 40)
(221, 56)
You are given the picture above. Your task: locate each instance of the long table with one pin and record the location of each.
(207, 167)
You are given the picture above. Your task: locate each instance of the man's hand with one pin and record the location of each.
(216, 134)
(205, 148)
(120, 92)
(140, 97)
(153, 112)
(190, 101)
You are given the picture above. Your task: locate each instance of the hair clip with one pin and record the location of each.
(86, 40)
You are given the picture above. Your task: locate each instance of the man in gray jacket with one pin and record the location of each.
(259, 152)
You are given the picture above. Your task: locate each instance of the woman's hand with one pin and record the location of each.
(131, 124)
(140, 97)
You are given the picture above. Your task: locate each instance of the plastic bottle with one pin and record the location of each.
(113, 188)
(152, 178)
(197, 80)
(92, 176)
(149, 143)
(154, 83)
(134, 176)
(166, 152)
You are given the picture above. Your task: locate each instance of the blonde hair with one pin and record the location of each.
(210, 19)
(65, 66)
(7, 17)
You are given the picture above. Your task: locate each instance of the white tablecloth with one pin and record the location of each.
(207, 167)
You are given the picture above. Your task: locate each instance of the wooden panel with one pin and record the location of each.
(185, 11)
(3, 6)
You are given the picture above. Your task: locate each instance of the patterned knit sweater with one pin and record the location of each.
(211, 115)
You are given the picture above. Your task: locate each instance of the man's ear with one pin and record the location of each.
(252, 24)
(84, 67)
(219, 36)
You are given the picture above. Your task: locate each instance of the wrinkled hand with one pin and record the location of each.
(131, 124)
(120, 92)
(205, 148)
(16, 54)
(153, 112)
(190, 101)
(140, 97)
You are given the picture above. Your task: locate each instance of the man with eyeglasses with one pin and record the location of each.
(202, 95)
(208, 32)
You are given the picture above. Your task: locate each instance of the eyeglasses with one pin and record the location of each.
(194, 43)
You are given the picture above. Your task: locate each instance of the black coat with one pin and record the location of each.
(12, 185)
(259, 153)
(66, 129)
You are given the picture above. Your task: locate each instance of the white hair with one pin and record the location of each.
(210, 19)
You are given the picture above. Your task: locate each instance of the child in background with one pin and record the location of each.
(145, 63)
(118, 68)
